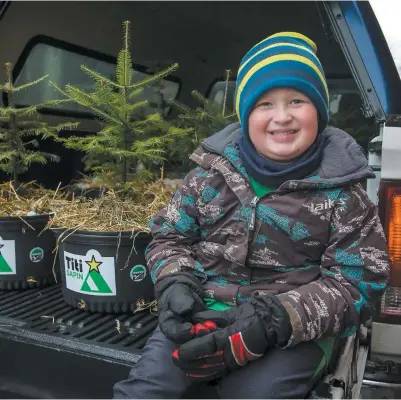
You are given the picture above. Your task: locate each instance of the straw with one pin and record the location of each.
(112, 212)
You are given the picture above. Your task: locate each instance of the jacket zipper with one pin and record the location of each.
(254, 203)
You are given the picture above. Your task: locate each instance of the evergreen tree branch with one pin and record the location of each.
(99, 78)
(131, 108)
(84, 99)
(33, 143)
(30, 84)
(135, 93)
(155, 77)
(7, 155)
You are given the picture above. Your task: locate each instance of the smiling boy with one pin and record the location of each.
(283, 124)
(271, 250)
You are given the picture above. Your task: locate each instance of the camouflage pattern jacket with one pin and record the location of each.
(317, 243)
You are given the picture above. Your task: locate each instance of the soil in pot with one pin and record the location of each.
(104, 271)
(26, 259)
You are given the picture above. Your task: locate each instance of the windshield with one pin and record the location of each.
(388, 15)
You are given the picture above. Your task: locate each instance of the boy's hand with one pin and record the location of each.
(178, 299)
(245, 333)
(241, 339)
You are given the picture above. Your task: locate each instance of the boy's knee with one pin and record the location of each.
(289, 373)
(155, 375)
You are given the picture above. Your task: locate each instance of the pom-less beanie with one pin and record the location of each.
(285, 59)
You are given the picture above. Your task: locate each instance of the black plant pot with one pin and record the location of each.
(26, 259)
(104, 271)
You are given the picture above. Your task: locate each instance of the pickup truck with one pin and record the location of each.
(50, 350)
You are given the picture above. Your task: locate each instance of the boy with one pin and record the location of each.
(271, 249)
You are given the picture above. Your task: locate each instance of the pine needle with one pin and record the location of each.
(142, 306)
(81, 304)
(118, 326)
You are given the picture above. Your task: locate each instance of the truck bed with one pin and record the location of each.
(51, 350)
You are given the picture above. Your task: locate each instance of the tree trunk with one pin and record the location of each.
(125, 165)
(13, 141)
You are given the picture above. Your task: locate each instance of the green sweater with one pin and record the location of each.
(325, 344)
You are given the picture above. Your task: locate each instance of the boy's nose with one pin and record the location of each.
(282, 115)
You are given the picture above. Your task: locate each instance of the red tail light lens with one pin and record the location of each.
(390, 215)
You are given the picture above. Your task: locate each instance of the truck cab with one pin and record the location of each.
(55, 351)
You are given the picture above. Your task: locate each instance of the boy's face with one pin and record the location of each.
(283, 124)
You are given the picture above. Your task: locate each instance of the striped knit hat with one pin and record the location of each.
(285, 59)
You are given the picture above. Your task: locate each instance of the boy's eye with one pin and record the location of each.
(265, 104)
(297, 101)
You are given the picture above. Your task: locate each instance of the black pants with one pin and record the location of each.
(279, 374)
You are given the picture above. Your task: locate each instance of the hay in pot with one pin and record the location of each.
(28, 199)
(112, 212)
(26, 245)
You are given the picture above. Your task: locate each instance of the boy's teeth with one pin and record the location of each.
(283, 133)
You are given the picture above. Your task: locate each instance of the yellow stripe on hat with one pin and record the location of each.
(271, 60)
(275, 45)
(296, 35)
(289, 34)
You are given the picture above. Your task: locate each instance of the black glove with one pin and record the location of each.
(247, 332)
(179, 296)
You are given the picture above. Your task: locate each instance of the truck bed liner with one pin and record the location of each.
(44, 340)
(42, 315)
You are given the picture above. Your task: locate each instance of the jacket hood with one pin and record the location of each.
(343, 160)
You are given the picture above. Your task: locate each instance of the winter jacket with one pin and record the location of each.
(316, 243)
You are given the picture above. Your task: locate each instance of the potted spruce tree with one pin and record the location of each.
(202, 121)
(25, 251)
(101, 242)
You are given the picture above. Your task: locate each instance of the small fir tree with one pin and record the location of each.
(20, 129)
(127, 136)
(354, 120)
(206, 119)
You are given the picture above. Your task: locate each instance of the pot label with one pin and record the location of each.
(36, 254)
(90, 274)
(138, 273)
(7, 257)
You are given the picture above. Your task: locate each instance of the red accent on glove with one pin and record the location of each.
(210, 325)
(218, 353)
(175, 354)
(220, 364)
(206, 366)
(197, 376)
(205, 327)
(240, 352)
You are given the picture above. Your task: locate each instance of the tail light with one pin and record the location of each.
(390, 215)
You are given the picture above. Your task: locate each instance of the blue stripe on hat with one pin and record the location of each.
(274, 44)
(286, 68)
(284, 49)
